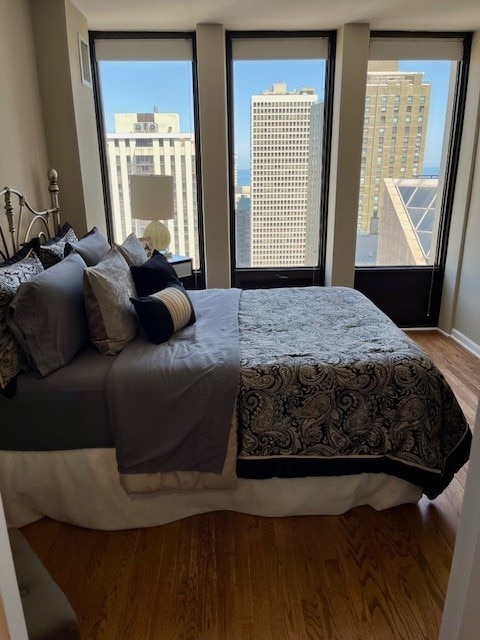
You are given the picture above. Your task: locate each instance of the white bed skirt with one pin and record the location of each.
(82, 487)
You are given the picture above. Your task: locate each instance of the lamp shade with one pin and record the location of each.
(151, 197)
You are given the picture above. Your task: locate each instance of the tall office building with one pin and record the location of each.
(281, 124)
(395, 127)
(151, 143)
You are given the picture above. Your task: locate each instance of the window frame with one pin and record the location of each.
(197, 280)
(424, 281)
(271, 277)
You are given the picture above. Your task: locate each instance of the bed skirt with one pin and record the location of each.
(82, 487)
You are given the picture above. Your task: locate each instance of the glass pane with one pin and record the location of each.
(402, 163)
(149, 125)
(423, 197)
(278, 129)
(406, 193)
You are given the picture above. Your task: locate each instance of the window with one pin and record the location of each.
(147, 93)
(277, 98)
(401, 231)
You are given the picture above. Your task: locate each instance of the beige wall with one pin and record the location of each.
(23, 151)
(212, 96)
(68, 111)
(347, 134)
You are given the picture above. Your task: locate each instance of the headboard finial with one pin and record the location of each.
(54, 189)
(53, 179)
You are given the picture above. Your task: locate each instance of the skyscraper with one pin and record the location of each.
(281, 123)
(395, 126)
(151, 143)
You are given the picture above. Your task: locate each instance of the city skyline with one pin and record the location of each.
(141, 86)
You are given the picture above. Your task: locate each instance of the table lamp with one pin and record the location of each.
(151, 198)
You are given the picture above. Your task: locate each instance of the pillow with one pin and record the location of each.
(13, 273)
(108, 288)
(154, 275)
(23, 252)
(12, 276)
(165, 312)
(54, 249)
(92, 247)
(11, 361)
(47, 316)
(133, 251)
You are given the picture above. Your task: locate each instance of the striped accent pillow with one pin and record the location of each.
(163, 313)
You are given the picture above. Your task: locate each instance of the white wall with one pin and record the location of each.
(9, 594)
(460, 311)
(466, 325)
(460, 614)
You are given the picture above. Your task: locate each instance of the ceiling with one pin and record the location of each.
(171, 15)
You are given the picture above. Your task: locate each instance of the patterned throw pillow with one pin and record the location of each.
(165, 312)
(108, 288)
(133, 251)
(11, 361)
(154, 275)
(34, 244)
(54, 249)
(12, 275)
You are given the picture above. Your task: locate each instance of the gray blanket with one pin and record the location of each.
(171, 405)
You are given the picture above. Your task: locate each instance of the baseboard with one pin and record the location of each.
(468, 344)
(419, 328)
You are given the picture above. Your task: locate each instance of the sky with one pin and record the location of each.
(141, 86)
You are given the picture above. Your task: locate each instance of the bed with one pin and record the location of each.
(302, 401)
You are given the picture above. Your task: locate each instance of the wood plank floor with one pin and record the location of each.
(364, 575)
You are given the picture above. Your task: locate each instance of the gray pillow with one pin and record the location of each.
(92, 247)
(47, 316)
(108, 288)
(133, 251)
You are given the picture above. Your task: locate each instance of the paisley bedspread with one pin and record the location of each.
(330, 386)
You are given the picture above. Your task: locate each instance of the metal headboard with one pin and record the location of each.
(15, 211)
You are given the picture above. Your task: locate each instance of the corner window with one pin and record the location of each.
(418, 76)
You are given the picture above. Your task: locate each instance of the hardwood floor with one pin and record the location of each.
(365, 575)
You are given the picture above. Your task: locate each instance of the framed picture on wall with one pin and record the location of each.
(85, 67)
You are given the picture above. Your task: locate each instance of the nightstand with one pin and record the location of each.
(182, 265)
